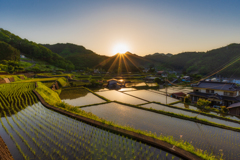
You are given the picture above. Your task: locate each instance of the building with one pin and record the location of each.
(22, 56)
(115, 84)
(219, 93)
(178, 95)
(162, 73)
(234, 109)
(186, 79)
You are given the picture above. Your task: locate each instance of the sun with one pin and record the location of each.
(120, 48)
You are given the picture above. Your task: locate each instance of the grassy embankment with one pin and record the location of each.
(52, 98)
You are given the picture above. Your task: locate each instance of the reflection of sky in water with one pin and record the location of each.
(195, 108)
(151, 96)
(201, 136)
(179, 111)
(79, 97)
(138, 84)
(119, 96)
(126, 89)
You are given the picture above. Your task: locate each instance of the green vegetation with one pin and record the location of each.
(7, 52)
(49, 95)
(202, 102)
(16, 77)
(12, 95)
(78, 55)
(10, 66)
(62, 81)
(34, 50)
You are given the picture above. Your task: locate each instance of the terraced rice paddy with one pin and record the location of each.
(191, 114)
(181, 105)
(52, 135)
(213, 139)
(79, 97)
(33, 132)
(119, 96)
(140, 84)
(151, 96)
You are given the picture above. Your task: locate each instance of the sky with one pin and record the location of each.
(140, 26)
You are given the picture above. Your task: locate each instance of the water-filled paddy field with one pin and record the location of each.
(140, 84)
(151, 96)
(79, 97)
(50, 135)
(191, 114)
(182, 105)
(202, 136)
(119, 96)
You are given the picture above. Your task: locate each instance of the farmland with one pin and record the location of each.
(32, 131)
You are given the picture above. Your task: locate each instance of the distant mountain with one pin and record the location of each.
(82, 58)
(34, 50)
(203, 63)
(127, 62)
(78, 55)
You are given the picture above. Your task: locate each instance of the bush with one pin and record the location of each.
(187, 99)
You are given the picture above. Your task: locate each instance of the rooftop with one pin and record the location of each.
(218, 86)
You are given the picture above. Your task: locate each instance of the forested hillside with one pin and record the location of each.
(78, 55)
(203, 62)
(34, 50)
(7, 52)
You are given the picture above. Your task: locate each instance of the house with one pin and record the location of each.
(162, 73)
(178, 95)
(96, 71)
(234, 109)
(22, 56)
(115, 84)
(186, 79)
(219, 93)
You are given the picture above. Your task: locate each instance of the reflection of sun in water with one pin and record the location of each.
(120, 48)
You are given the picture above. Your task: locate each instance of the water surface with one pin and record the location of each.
(201, 136)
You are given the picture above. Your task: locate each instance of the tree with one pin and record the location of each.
(187, 99)
(202, 102)
(158, 81)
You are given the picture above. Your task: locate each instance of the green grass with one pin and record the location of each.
(25, 64)
(48, 95)
(62, 81)
(39, 80)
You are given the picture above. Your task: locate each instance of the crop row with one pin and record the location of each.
(16, 94)
(56, 136)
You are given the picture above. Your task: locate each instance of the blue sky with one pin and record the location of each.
(145, 27)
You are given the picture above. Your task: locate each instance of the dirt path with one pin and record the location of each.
(4, 152)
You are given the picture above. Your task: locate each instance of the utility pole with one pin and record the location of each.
(166, 88)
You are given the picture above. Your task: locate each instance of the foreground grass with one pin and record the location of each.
(52, 98)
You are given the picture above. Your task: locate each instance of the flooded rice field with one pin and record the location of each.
(140, 84)
(182, 105)
(212, 139)
(79, 97)
(187, 113)
(119, 96)
(44, 134)
(151, 96)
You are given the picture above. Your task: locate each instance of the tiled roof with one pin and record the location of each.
(216, 96)
(217, 85)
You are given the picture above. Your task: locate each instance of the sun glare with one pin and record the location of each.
(120, 48)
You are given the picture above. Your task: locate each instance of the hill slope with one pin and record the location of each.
(78, 55)
(34, 50)
(7, 52)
